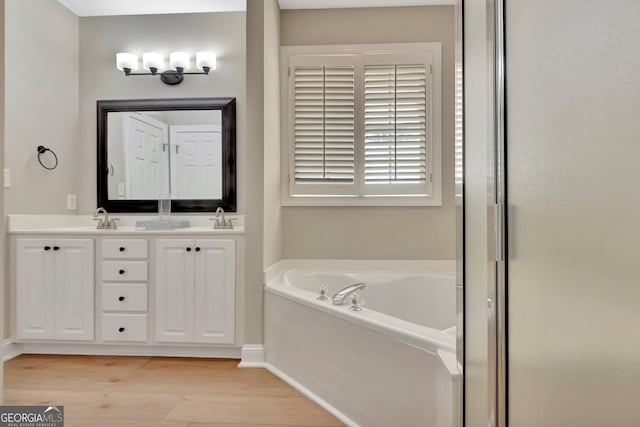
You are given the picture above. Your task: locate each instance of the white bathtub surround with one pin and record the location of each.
(389, 364)
(449, 386)
(397, 300)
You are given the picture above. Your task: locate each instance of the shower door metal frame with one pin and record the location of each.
(459, 198)
(497, 218)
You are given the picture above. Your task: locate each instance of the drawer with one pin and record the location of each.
(124, 327)
(124, 271)
(124, 248)
(124, 297)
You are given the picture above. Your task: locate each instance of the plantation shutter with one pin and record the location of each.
(360, 124)
(397, 121)
(322, 124)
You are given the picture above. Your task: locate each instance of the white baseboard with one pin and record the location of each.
(252, 356)
(310, 395)
(10, 350)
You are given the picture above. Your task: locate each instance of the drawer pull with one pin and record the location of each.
(120, 330)
(121, 271)
(56, 248)
(120, 298)
(188, 249)
(47, 248)
(197, 249)
(122, 249)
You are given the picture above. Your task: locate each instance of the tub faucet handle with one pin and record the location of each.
(323, 293)
(354, 303)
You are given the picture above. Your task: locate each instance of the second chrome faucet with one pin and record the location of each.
(342, 294)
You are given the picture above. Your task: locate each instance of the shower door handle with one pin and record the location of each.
(500, 222)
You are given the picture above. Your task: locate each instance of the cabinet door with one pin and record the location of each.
(215, 291)
(74, 285)
(34, 289)
(174, 290)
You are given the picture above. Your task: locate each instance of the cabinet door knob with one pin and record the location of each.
(188, 249)
(47, 248)
(121, 271)
(120, 298)
(56, 248)
(122, 249)
(197, 249)
(120, 329)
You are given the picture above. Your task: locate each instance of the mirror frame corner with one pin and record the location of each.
(227, 106)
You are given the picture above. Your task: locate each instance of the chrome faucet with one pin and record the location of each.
(220, 221)
(342, 294)
(104, 223)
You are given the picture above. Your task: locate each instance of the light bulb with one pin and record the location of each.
(205, 61)
(126, 61)
(179, 60)
(152, 60)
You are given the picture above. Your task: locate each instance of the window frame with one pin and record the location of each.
(365, 195)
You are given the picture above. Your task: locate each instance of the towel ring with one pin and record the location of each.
(41, 151)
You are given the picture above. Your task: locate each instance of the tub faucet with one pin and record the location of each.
(342, 294)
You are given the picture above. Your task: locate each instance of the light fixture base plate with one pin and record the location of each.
(171, 77)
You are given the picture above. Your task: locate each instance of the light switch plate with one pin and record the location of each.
(72, 202)
(7, 178)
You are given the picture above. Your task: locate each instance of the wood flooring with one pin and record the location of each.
(105, 391)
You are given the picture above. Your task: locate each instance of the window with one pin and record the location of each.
(363, 125)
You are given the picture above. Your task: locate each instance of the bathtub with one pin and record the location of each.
(390, 364)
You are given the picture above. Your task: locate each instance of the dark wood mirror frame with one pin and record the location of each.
(227, 106)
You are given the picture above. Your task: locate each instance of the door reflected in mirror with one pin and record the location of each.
(153, 154)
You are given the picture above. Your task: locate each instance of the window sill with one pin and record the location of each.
(362, 201)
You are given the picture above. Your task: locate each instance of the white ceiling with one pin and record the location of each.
(150, 7)
(333, 4)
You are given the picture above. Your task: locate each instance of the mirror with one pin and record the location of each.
(183, 149)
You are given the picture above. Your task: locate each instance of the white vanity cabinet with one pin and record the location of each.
(75, 289)
(195, 290)
(54, 289)
(124, 290)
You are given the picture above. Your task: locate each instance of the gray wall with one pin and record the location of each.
(272, 209)
(40, 108)
(255, 171)
(222, 33)
(378, 232)
(61, 105)
(573, 150)
(42, 104)
(102, 37)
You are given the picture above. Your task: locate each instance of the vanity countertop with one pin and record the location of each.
(84, 225)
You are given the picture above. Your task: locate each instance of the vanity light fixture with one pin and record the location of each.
(154, 62)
